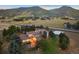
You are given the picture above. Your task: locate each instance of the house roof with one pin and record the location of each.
(23, 36)
(57, 32)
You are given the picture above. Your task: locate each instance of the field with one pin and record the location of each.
(56, 22)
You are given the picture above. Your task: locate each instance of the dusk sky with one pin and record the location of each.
(48, 7)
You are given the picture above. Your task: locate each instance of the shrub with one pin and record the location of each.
(48, 46)
(51, 34)
(63, 41)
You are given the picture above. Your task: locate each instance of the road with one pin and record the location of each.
(67, 30)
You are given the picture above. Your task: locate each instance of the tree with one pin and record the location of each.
(4, 32)
(47, 28)
(15, 45)
(44, 35)
(63, 41)
(51, 34)
(18, 29)
(28, 28)
(68, 25)
(12, 29)
(41, 26)
(1, 46)
(76, 25)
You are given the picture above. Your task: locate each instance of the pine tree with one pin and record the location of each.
(63, 41)
(1, 47)
(15, 46)
(51, 34)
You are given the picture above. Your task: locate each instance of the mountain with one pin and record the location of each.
(38, 11)
(24, 11)
(65, 11)
(35, 11)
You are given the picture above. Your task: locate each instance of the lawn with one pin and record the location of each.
(49, 46)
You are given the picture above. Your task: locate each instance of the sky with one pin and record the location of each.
(48, 7)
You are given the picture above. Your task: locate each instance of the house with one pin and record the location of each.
(67, 25)
(32, 40)
(57, 32)
(23, 36)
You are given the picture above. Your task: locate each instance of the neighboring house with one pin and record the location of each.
(67, 25)
(57, 32)
(23, 36)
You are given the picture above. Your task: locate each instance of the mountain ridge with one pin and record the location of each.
(38, 11)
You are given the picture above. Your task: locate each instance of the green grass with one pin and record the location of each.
(49, 46)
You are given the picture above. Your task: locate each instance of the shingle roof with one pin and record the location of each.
(23, 36)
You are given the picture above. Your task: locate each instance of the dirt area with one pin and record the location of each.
(74, 43)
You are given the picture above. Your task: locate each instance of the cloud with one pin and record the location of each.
(48, 7)
(13, 6)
